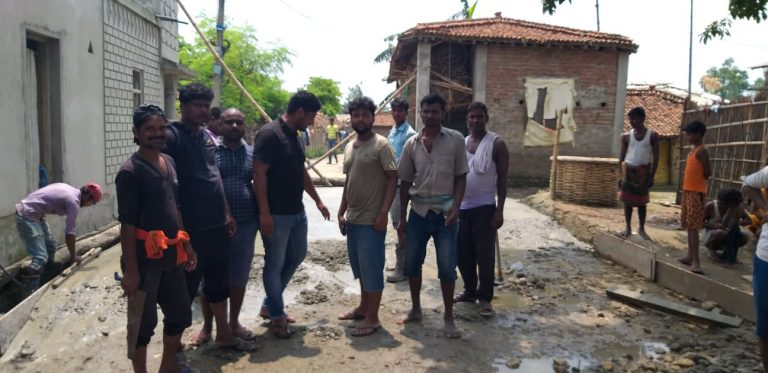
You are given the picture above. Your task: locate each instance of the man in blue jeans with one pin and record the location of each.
(369, 163)
(433, 174)
(56, 199)
(279, 190)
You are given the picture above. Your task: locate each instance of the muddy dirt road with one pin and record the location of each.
(552, 315)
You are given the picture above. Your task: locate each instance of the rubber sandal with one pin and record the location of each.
(244, 333)
(280, 328)
(264, 314)
(351, 315)
(239, 345)
(197, 341)
(486, 310)
(362, 331)
(464, 297)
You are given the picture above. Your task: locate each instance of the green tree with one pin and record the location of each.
(256, 67)
(755, 10)
(328, 92)
(352, 93)
(727, 81)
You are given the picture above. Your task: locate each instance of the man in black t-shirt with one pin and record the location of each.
(146, 202)
(279, 189)
(204, 210)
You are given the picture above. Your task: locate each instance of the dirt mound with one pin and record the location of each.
(331, 254)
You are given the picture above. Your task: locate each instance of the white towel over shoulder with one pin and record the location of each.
(481, 161)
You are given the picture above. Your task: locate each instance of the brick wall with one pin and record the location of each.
(130, 42)
(594, 73)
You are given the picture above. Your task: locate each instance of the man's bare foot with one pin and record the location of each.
(696, 268)
(450, 331)
(644, 235)
(625, 233)
(413, 315)
(202, 337)
(686, 260)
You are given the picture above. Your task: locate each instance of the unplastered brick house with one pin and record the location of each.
(71, 73)
(525, 72)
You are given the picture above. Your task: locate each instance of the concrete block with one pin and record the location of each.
(626, 253)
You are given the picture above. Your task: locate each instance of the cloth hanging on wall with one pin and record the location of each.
(544, 97)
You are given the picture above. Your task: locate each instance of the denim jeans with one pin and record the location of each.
(284, 251)
(38, 239)
(365, 247)
(418, 232)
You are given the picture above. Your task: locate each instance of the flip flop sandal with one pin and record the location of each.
(196, 341)
(239, 345)
(280, 329)
(486, 311)
(351, 315)
(362, 331)
(246, 335)
(264, 314)
(464, 297)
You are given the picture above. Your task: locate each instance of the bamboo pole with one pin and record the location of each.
(242, 89)
(555, 151)
(353, 134)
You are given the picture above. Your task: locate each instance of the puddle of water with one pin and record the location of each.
(510, 302)
(536, 365)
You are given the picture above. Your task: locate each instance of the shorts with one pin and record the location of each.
(212, 247)
(241, 253)
(760, 295)
(419, 230)
(365, 247)
(692, 212)
(168, 289)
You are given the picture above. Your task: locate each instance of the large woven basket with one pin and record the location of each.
(587, 180)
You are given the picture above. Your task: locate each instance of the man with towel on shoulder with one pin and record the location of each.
(639, 147)
(482, 208)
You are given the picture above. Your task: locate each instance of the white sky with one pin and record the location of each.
(338, 39)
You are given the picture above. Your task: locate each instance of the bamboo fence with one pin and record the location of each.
(736, 139)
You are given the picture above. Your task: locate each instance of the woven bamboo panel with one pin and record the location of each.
(587, 181)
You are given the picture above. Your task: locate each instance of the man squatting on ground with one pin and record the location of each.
(751, 190)
(432, 172)
(482, 209)
(156, 250)
(639, 147)
(204, 208)
(723, 218)
(369, 188)
(697, 171)
(280, 180)
(234, 158)
(398, 135)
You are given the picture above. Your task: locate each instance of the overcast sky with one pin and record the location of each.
(339, 39)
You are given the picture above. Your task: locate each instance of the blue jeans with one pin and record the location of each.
(284, 251)
(365, 247)
(241, 253)
(418, 232)
(38, 239)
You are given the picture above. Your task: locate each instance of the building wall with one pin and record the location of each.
(76, 25)
(595, 74)
(100, 42)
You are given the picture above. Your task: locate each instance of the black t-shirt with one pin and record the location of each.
(146, 199)
(201, 192)
(283, 150)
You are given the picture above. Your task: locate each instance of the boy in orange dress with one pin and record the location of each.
(697, 171)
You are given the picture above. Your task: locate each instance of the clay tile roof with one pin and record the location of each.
(384, 119)
(663, 110)
(506, 30)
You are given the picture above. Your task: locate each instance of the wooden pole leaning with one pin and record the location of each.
(353, 134)
(555, 152)
(232, 76)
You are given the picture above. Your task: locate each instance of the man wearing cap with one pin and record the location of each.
(57, 199)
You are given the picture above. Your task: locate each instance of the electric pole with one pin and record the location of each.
(597, 10)
(217, 70)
